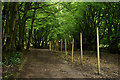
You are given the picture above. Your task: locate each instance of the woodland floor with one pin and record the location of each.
(41, 63)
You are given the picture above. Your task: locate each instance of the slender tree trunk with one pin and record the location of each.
(21, 32)
(6, 28)
(3, 22)
(22, 27)
(109, 30)
(30, 31)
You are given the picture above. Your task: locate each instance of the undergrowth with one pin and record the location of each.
(9, 62)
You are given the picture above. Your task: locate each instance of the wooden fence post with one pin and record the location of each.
(61, 45)
(81, 48)
(53, 45)
(65, 48)
(72, 49)
(57, 46)
(50, 45)
(98, 55)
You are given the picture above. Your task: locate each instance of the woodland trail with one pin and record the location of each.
(42, 63)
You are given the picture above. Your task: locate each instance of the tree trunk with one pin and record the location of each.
(10, 43)
(30, 31)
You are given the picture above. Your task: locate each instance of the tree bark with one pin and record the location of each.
(30, 32)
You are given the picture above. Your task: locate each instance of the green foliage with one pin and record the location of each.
(13, 59)
(55, 21)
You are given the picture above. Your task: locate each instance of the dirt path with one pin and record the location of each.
(42, 63)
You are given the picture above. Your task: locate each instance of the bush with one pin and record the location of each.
(13, 58)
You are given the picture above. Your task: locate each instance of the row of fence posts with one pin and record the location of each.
(81, 50)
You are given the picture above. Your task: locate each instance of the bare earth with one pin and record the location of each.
(42, 63)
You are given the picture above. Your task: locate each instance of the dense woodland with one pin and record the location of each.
(37, 23)
(34, 24)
